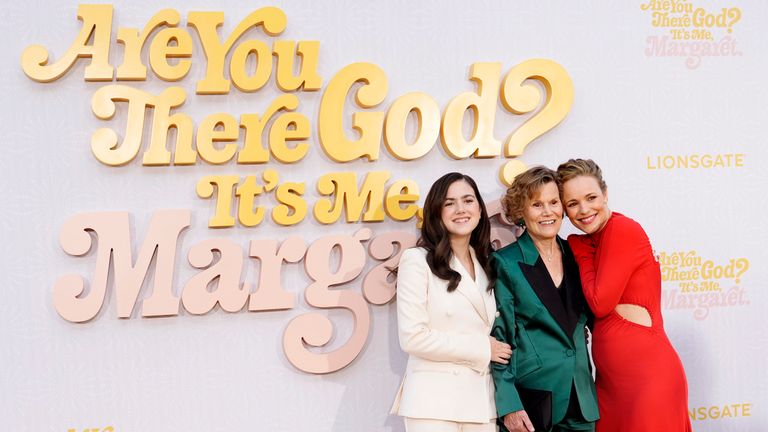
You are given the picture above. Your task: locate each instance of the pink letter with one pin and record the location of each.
(224, 273)
(377, 288)
(271, 295)
(114, 241)
(315, 329)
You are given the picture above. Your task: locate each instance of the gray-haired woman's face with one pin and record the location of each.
(543, 213)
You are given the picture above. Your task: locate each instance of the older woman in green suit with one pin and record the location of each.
(547, 384)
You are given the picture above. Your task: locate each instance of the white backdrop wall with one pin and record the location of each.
(637, 111)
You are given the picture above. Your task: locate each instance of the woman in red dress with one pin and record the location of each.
(641, 384)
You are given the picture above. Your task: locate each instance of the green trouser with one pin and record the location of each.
(573, 420)
(568, 426)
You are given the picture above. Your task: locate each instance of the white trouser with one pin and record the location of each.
(430, 425)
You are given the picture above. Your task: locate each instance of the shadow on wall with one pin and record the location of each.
(365, 404)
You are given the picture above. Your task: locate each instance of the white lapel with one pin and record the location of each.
(474, 290)
(489, 301)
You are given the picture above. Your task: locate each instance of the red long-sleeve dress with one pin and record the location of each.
(641, 384)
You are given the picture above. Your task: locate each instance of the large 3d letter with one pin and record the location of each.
(97, 21)
(113, 233)
(315, 329)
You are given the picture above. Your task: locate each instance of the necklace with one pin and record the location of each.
(548, 256)
(555, 269)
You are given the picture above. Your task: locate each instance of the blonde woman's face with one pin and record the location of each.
(586, 204)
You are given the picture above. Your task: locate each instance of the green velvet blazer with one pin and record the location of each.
(546, 331)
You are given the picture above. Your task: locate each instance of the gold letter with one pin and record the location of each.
(402, 191)
(253, 149)
(290, 197)
(289, 127)
(308, 77)
(161, 50)
(207, 134)
(520, 97)
(224, 185)
(237, 71)
(272, 20)
(246, 195)
(343, 186)
(104, 142)
(427, 125)
(97, 21)
(483, 104)
(368, 124)
(132, 69)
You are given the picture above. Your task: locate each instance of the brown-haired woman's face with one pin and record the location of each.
(586, 204)
(543, 214)
(461, 211)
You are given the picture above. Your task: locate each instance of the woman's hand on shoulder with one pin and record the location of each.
(579, 240)
(581, 244)
(500, 352)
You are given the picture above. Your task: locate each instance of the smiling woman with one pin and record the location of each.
(547, 385)
(444, 313)
(587, 203)
(641, 383)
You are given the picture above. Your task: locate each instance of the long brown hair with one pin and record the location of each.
(435, 238)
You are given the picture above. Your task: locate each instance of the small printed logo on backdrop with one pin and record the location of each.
(720, 411)
(695, 161)
(701, 285)
(691, 30)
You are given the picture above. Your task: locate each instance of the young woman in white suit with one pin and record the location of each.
(445, 310)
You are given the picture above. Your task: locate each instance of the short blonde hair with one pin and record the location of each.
(580, 167)
(523, 188)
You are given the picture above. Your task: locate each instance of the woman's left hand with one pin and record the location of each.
(581, 245)
(500, 351)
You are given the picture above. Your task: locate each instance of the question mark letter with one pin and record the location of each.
(735, 15)
(742, 265)
(522, 97)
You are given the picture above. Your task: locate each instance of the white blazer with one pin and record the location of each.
(446, 337)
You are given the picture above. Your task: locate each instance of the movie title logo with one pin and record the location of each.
(691, 31)
(281, 132)
(152, 129)
(700, 285)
